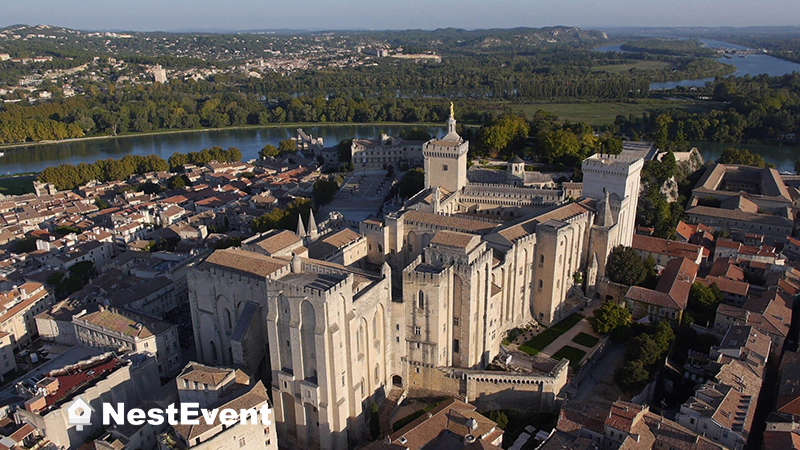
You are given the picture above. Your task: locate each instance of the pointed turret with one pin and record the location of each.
(312, 226)
(301, 230)
(605, 218)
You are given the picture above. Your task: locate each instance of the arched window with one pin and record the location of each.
(213, 351)
(541, 259)
(380, 248)
(228, 320)
(540, 284)
(421, 300)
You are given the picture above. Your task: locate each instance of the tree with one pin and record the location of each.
(287, 146)
(499, 417)
(733, 155)
(100, 203)
(282, 219)
(325, 190)
(632, 376)
(609, 317)
(625, 267)
(415, 134)
(643, 348)
(663, 335)
(413, 181)
(703, 302)
(177, 161)
(268, 151)
(506, 134)
(176, 182)
(343, 149)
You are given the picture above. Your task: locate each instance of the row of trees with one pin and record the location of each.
(68, 176)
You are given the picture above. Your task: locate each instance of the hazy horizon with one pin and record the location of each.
(218, 15)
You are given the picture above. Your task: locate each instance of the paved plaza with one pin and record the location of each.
(361, 195)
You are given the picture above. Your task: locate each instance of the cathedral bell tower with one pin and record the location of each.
(446, 159)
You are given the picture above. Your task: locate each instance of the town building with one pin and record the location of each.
(18, 309)
(103, 379)
(121, 330)
(452, 424)
(8, 365)
(385, 152)
(742, 200)
(670, 297)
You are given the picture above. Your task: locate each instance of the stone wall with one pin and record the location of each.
(489, 389)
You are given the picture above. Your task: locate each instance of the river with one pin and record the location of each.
(781, 156)
(34, 158)
(751, 65)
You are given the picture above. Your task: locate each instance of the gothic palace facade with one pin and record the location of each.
(433, 291)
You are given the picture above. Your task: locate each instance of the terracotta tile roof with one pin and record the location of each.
(728, 243)
(278, 241)
(452, 222)
(623, 415)
(738, 314)
(666, 247)
(725, 268)
(765, 219)
(685, 230)
(575, 416)
(203, 374)
(561, 213)
(781, 440)
(789, 387)
(455, 239)
(452, 415)
(123, 325)
(726, 285)
(252, 399)
(245, 262)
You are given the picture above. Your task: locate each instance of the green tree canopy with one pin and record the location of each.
(506, 134)
(643, 348)
(268, 151)
(609, 317)
(413, 181)
(632, 376)
(325, 190)
(733, 155)
(282, 219)
(624, 266)
(703, 302)
(287, 146)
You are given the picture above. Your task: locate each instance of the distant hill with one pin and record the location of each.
(710, 32)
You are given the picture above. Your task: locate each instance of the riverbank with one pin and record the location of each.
(201, 130)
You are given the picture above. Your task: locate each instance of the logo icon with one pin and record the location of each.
(79, 413)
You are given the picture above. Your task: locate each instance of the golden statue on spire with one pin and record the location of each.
(452, 114)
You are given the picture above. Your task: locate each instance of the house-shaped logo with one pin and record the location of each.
(79, 413)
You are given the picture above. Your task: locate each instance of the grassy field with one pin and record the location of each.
(604, 113)
(17, 185)
(586, 340)
(546, 337)
(574, 355)
(640, 65)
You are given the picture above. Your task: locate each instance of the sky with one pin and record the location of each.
(174, 15)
